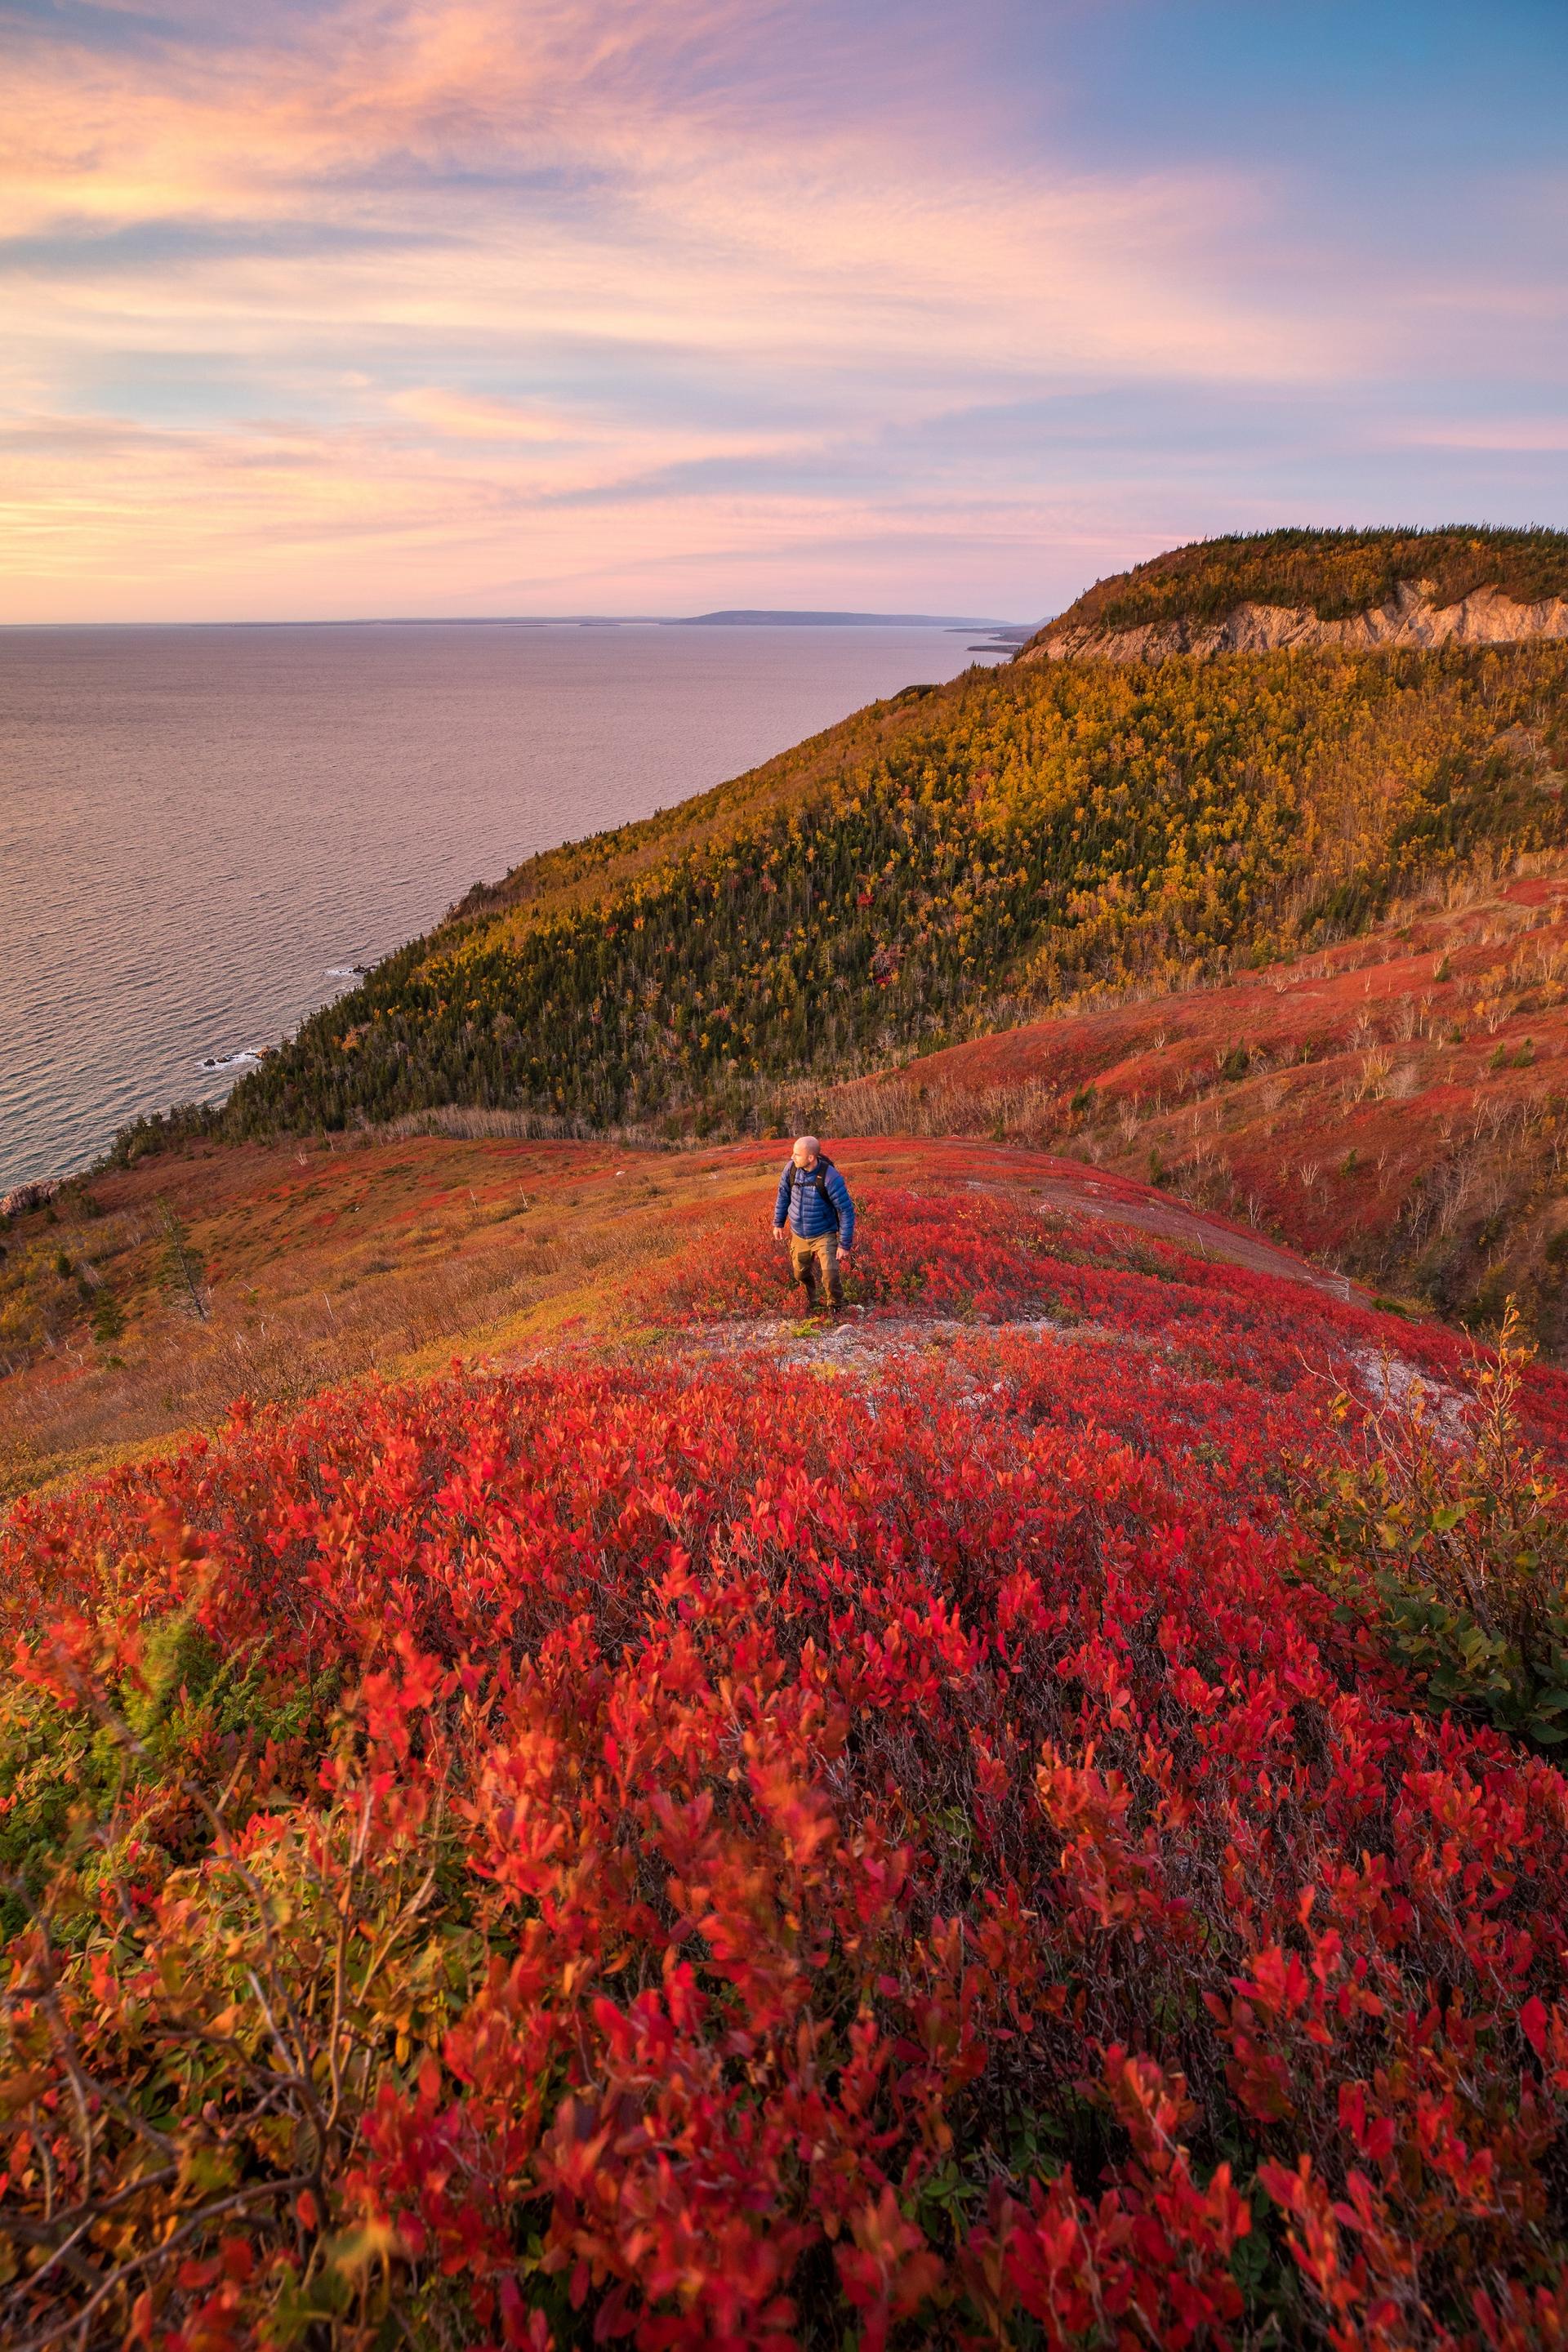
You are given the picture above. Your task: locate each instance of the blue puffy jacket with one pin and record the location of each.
(813, 1208)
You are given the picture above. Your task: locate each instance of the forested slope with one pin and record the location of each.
(927, 872)
(1396, 1105)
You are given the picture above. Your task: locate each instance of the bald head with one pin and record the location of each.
(806, 1147)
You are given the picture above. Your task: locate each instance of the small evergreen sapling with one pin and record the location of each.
(107, 1319)
(184, 1275)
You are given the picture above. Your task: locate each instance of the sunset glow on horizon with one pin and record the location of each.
(451, 306)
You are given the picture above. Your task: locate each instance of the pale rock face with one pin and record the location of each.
(23, 1197)
(1487, 617)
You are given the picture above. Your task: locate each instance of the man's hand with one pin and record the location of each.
(845, 1248)
(778, 1232)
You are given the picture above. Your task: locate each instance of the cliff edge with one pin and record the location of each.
(1279, 590)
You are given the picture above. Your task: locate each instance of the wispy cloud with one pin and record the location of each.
(396, 301)
(1516, 436)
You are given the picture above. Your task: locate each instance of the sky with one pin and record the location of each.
(466, 307)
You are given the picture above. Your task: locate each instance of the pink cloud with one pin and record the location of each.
(534, 296)
(1524, 436)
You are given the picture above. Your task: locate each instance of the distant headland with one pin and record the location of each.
(768, 620)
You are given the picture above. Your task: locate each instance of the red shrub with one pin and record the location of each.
(707, 1856)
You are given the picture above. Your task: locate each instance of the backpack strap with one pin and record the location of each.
(816, 1177)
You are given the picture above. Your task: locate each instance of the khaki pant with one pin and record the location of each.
(815, 1263)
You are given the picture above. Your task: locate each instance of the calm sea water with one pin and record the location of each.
(196, 824)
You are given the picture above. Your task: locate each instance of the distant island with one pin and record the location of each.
(748, 619)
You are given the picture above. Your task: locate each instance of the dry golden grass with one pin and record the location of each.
(319, 1265)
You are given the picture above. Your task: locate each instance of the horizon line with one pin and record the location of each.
(739, 617)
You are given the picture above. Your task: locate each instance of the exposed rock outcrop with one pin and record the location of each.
(25, 1197)
(1486, 617)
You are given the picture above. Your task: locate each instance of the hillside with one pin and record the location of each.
(988, 1824)
(935, 867)
(1395, 1106)
(137, 1306)
(1355, 589)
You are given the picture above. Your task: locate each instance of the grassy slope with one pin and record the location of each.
(929, 871)
(321, 1264)
(1334, 574)
(316, 1263)
(1398, 1105)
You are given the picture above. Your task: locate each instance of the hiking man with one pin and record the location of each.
(814, 1213)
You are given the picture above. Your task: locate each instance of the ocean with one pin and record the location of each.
(203, 830)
